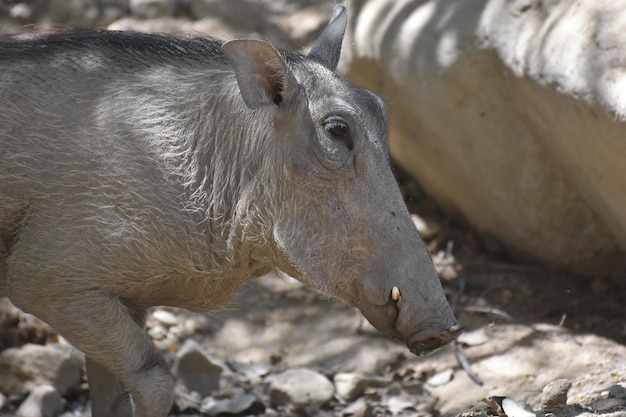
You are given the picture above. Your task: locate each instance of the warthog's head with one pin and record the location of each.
(342, 225)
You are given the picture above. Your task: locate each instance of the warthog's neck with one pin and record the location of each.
(221, 157)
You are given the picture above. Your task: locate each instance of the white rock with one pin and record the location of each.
(511, 116)
(235, 404)
(440, 378)
(514, 408)
(300, 387)
(474, 337)
(164, 317)
(349, 385)
(43, 401)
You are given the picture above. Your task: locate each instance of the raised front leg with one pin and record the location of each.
(109, 397)
(122, 361)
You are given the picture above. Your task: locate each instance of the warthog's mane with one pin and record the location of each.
(149, 47)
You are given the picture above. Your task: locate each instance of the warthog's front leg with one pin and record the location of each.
(122, 361)
(109, 397)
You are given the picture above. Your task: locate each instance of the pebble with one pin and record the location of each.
(349, 386)
(196, 370)
(513, 408)
(606, 404)
(474, 338)
(254, 371)
(43, 401)
(440, 378)
(555, 394)
(165, 318)
(617, 391)
(300, 387)
(236, 404)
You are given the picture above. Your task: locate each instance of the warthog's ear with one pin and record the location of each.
(327, 48)
(263, 76)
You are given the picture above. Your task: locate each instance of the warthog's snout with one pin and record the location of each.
(416, 313)
(433, 334)
(430, 339)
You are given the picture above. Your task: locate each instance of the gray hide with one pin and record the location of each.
(140, 170)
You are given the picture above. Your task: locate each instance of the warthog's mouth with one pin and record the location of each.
(429, 340)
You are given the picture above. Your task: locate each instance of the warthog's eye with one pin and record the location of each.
(338, 130)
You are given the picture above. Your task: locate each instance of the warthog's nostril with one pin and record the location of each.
(429, 340)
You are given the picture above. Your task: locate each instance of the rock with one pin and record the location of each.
(253, 371)
(512, 118)
(3, 401)
(165, 318)
(25, 368)
(513, 408)
(43, 401)
(474, 337)
(555, 394)
(300, 387)
(607, 404)
(196, 370)
(349, 386)
(358, 408)
(616, 391)
(238, 403)
(150, 9)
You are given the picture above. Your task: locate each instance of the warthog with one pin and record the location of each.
(139, 170)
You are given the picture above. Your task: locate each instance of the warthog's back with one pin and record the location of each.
(58, 91)
(93, 120)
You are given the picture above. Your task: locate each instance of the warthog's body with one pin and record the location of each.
(140, 170)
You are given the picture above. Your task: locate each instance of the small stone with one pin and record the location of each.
(253, 371)
(426, 229)
(349, 386)
(196, 370)
(514, 408)
(236, 404)
(300, 387)
(440, 378)
(555, 394)
(3, 401)
(157, 332)
(616, 391)
(607, 404)
(165, 318)
(474, 337)
(358, 408)
(43, 401)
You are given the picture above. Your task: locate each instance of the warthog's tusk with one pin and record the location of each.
(395, 294)
(397, 297)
